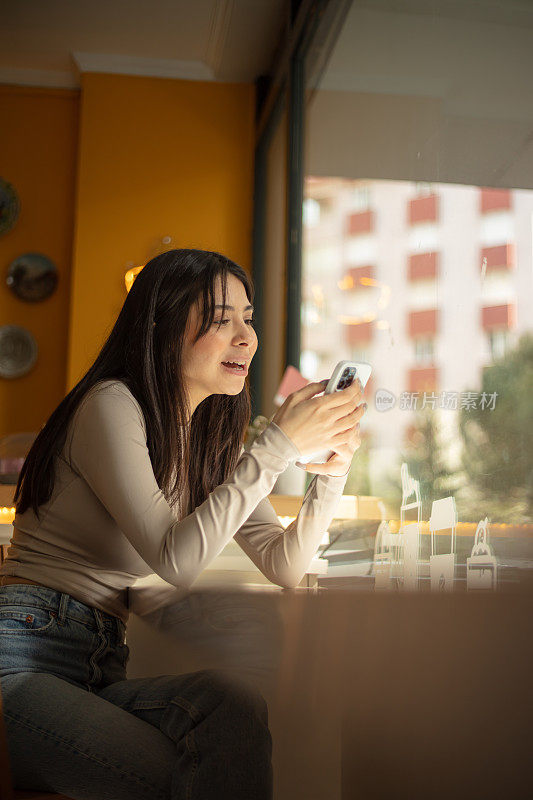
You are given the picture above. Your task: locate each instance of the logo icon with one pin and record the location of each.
(384, 400)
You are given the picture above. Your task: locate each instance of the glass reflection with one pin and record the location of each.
(418, 238)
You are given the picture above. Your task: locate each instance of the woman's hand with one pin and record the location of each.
(340, 462)
(330, 422)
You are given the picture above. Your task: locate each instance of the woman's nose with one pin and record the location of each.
(246, 334)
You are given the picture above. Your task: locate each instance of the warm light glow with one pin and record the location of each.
(286, 520)
(346, 283)
(7, 515)
(357, 320)
(318, 295)
(130, 276)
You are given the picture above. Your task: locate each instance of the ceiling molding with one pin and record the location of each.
(39, 77)
(218, 32)
(147, 67)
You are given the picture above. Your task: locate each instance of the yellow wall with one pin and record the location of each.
(154, 157)
(157, 157)
(38, 142)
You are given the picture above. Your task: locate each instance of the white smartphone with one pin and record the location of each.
(342, 376)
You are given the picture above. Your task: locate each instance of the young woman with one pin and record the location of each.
(141, 469)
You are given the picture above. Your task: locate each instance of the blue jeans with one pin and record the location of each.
(77, 726)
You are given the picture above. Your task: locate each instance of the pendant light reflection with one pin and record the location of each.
(347, 284)
(130, 276)
(159, 246)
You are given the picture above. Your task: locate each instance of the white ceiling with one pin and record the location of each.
(502, 12)
(428, 90)
(48, 42)
(475, 56)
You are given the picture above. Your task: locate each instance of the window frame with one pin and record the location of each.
(305, 45)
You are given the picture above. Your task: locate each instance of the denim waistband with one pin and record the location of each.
(64, 605)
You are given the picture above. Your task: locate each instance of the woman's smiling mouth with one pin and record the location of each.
(235, 369)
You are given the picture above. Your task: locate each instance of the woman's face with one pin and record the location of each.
(235, 340)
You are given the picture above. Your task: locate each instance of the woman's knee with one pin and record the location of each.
(236, 692)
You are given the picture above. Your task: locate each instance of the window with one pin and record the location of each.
(423, 266)
(424, 351)
(498, 343)
(361, 277)
(361, 223)
(500, 257)
(494, 200)
(423, 323)
(360, 354)
(392, 167)
(360, 197)
(414, 201)
(423, 189)
(423, 209)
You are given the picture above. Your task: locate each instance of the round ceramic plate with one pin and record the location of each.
(32, 277)
(18, 351)
(9, 206)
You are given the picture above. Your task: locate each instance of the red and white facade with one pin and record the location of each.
(429, 283)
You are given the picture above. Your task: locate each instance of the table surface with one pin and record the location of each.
(369, 688)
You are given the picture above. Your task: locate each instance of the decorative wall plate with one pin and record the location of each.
(9, 206)
(18, 351)
(32, 277)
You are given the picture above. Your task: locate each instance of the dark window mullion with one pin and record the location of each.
(295, 190)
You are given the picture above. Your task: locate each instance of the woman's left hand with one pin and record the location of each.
(340, 462)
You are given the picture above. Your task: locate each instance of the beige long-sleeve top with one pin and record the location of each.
(108, 524)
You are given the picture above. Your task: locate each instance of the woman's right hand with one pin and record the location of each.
(320, 423)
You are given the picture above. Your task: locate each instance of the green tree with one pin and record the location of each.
(498, 442)
(358, 481)
(426, 461)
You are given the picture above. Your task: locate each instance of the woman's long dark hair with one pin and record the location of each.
(147, 359)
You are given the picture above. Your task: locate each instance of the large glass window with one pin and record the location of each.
(418, 249)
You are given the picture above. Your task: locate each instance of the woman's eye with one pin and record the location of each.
(224, 321)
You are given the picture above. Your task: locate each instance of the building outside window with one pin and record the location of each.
(428, 250)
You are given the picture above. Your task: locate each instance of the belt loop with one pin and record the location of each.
(99, 619)
(63, 606)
